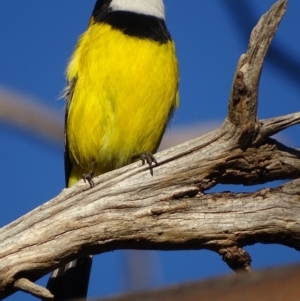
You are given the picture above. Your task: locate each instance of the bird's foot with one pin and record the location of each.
(89, 176)
(148, 158)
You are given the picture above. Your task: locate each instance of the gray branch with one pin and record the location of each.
(130, 209)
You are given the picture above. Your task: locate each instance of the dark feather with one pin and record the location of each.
(68, 94)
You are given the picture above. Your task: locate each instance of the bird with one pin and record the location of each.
(122, 89)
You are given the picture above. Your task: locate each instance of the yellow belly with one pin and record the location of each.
(125, 90)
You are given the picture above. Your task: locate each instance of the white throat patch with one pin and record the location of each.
(147, 7)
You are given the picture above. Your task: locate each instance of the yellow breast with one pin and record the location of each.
(124, 93)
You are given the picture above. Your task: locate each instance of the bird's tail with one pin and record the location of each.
(71, 281)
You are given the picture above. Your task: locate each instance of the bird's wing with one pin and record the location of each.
(68, 94)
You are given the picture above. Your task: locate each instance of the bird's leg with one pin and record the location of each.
(90, 175)
(146, 157)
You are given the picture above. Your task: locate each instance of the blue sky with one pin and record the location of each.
(37, 38)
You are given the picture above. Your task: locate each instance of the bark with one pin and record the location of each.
(173, 209)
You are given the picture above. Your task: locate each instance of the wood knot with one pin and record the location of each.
(236, 258)
(239, 87)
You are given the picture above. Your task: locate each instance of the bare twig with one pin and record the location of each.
(28, 287)
(272, 126)
(31, 115)
(244, 95)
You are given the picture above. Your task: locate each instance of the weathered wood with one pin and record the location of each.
(27, 286)
(130, 209)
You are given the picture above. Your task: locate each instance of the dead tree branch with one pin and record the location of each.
(130, 209)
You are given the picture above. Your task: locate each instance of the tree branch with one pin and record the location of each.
(243, 101)
(272, 126)
(130, 209)
(27, 286)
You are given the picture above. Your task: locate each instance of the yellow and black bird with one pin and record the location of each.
(122, 87)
